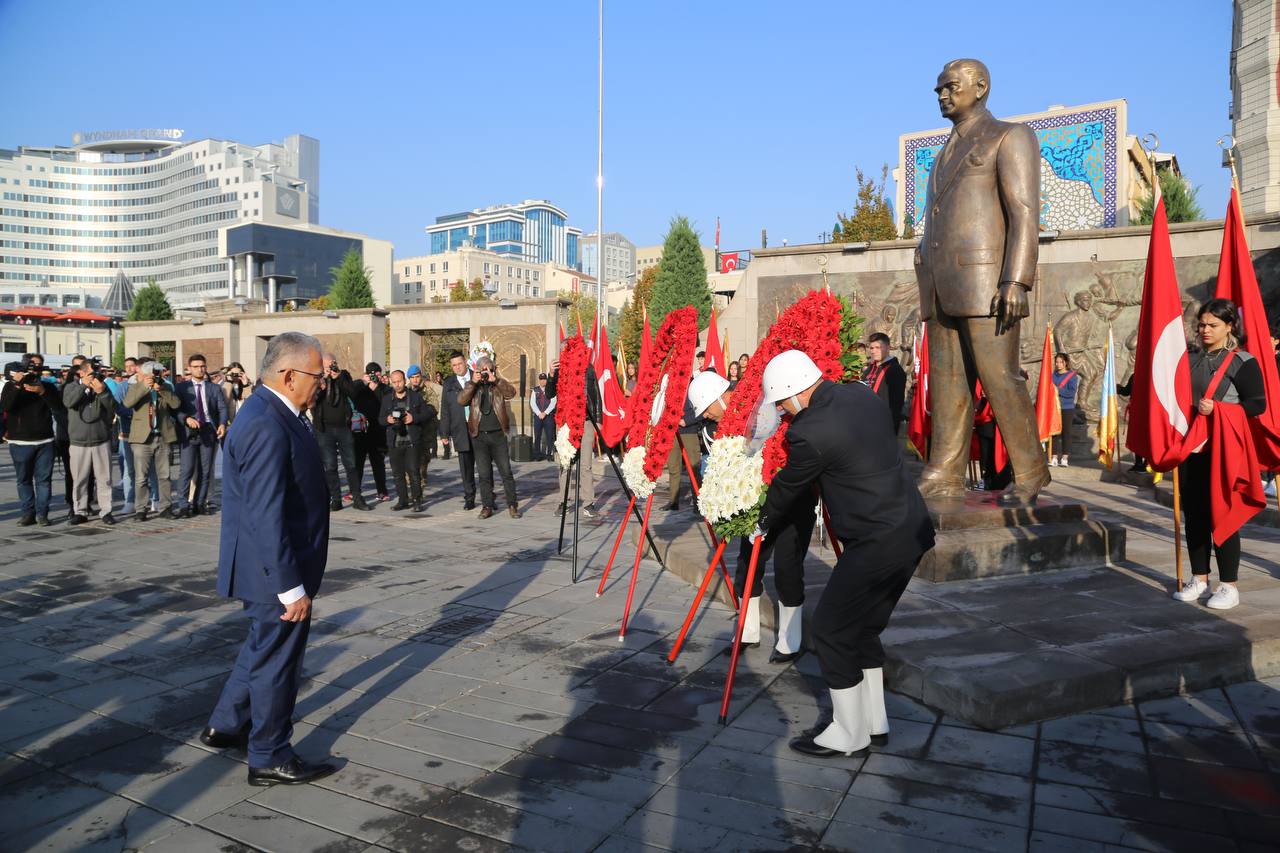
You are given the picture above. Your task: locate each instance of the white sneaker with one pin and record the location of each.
(1224, 597)
(1062, 462)
(1191, 590)
(1053, 462)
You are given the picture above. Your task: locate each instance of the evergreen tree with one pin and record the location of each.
(477, 293)
(117, 354)
(682, 275)
(458, 292)
(631, 324)
(351, 287)
(1180, 203)
(583, 308)
(150, 303)
(909, 227)
(872, 217)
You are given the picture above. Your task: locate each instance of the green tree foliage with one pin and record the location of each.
(351, 287)
(458, 292)
(582, 309)
(631, 323)
(872, 216)
(682, 275)
(476, 292)
(117, 354)
(909, 227)
(1180, 203)
(320, 303)
(150, 303)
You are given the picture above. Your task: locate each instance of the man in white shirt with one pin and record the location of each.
(453, 426)
(204, 414)
(543, 406)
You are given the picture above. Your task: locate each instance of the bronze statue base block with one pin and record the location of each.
(978, 539)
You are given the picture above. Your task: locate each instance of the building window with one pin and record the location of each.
(406, 287)
(509, 287)
(419, 269)
(406, 271)
(535, 275)
(418, 287)
(510, 270)
(433, 284)
(444, 266)
(535, 293)
(486, 267)
(433, 269)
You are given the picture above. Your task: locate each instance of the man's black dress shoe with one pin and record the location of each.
(399, 506)
(140, 515)
(808, 746)
(876, 740)
(77, 519)
(27, 520)
(335, 506)
(225, 740)
(108, 519)
(361, 505)
(468, 504)
(776, 656)
(295, 771)
(728, 650)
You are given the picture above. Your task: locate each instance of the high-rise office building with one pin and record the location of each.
(619, 259)
(145, 203)
(534, 230)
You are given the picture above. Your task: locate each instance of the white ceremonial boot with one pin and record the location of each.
(790, 625)
(873, 696)
(847, 734)
(751, 627)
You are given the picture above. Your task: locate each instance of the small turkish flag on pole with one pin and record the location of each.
(728, 262)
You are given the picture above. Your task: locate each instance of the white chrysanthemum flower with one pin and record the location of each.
(564, 447)
(633, 472)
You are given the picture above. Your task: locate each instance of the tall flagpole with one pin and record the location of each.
(600, 175)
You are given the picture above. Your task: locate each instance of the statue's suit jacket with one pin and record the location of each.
(983, 221)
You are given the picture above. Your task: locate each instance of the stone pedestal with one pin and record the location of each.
(978, 539)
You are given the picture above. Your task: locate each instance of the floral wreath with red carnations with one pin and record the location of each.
(750, 446)
(662, 383)
(571, 398)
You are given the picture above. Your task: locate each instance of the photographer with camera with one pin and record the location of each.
(372, 443)
(487, 395)
(30, 406)
(91, 417)
(235, 389)
(152, 430)
(404, 416)
(336, 422)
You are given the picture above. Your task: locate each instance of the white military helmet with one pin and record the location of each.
(705, 389)
(787, 374)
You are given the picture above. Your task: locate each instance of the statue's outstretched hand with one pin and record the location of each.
(1009, 306)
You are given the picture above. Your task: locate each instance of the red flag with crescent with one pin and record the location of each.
(613, 403)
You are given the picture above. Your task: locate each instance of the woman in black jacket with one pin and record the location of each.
(1237, 379)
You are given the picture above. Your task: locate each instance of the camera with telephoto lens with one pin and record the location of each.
(398, 412)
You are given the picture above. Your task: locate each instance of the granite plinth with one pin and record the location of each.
(978, 539)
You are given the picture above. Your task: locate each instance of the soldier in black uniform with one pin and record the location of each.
(879, 517)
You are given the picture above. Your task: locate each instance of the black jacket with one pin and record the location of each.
(893, 388)
(333, 409)
(369, 403)
(876, 510)
(413, 404)
(592, 392)
(29, 416)
(453, 418)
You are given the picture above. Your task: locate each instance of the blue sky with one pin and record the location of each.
(756, 112)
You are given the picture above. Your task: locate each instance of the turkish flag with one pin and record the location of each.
(919, 425)
(728, 262)
(715, 353)
(1160, 404)
(1048, 404)
(613, 403)
(1237, 282)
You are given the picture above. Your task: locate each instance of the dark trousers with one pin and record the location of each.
(33, 465)
(1060, 444)
(1195, 475)
(263, 685)
(992, 480)
(370, 447)
(853, 611)
(788, 543)
(63, 449)
(467, 467)
(544, 437)
(406, 473)
(675, 462)
(196, 463)
(490, 449)
(334, 444)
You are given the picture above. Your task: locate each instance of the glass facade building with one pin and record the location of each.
(533, 231)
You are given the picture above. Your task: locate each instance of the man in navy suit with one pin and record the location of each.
(204, 414)
(275, 539)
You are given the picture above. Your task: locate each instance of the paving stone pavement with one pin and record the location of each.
(479, 700)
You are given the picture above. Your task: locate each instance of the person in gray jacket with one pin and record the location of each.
(91, 417)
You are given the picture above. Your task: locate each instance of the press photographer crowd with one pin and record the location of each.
(143, 442)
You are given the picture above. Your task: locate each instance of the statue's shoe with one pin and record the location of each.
(935, 484)
(1024, 494)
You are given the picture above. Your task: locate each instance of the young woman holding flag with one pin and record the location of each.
(1067, 381)
(1223, 376)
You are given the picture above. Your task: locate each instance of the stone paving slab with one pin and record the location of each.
(476, 699)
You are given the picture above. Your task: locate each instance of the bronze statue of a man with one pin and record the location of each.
(975, 266)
